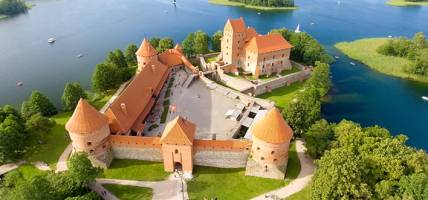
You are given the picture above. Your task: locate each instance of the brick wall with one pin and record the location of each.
(136, 147)
(218, 153)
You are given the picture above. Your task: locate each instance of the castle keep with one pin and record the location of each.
(206, 124)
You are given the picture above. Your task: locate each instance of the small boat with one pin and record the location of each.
(389, 36)
(19, 83)
(352, 63)
(79, 55)
(425, 98)
(51, 40)
(337, 57)
(312, 23)
(174, 1)
(297, 29)
(259, 13)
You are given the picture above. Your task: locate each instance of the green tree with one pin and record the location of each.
(37, 188)
(12, 138)
(106, 77)
(40, 124)
(420, 41)
(216, 41)
(81, 169)
(165, 44)
(340, 175)
(12, 7)
(304, 111)
(154, 41)
(188, 45)
(320, 78)
(318, 138)
(130, 56)
(117, 59)
(421, 62)
(38, 103)
(414, 186)
(201, 42)
(71, 95)
(87, 196)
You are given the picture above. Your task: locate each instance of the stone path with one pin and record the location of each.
(42, 166)
(170, 189)
(62, 161)
(305, 176)
(8, 167)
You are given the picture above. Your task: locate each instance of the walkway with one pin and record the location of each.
(62, 161)
(305, 176)
(170, 189)
(8, 167)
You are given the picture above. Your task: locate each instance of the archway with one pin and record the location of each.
(178, 166)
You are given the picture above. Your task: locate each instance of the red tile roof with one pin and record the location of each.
(146, 49)
(238, 25)
(268, 43)
(178, 131)
(85, 119)
(272, 128)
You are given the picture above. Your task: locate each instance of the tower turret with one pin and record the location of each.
(89, 132)
(145, 53)
(269, 151)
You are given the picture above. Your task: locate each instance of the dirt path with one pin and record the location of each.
(305, 175)
(62, 161)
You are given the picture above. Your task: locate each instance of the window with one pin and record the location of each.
(89, 143)
(258, 148)
(273, 57)
(176, 151)
(272, 152)
(262, 158)
(104, 146)
(248, 57)
(91, 151)
(274, 160)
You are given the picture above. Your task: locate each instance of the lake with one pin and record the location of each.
(93, 28)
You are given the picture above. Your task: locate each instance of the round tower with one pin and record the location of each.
(89, 132)
(269, 151)
(145, 53)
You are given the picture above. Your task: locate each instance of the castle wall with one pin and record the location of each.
(139, 148)
(282, 81)
(218, 153)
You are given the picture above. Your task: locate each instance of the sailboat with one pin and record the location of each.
(297, 29)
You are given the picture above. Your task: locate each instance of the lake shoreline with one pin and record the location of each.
(364, 51)
(237, 4)
(403, 3)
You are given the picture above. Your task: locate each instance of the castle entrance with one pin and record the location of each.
(178, 167)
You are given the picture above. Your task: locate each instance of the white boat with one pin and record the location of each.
(425, 98)
(312, 23)
(337, 57)
(352, 63)
(19, 83)
(79, 55)
(297, 29)
(51, 40)
(259, 13)
(174, 2)
(389, 36)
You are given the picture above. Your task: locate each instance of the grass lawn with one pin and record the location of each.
(211, 59)
(53, 143)
(283, 95)
(126, 192)
(29, 171)
(231, 3)
(302, 195)
(135, 170)
(364, 50)
(294, 69)
(3, 17)
(406, 3)
(99, 100)
(211, 182)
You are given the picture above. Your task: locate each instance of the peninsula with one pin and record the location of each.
(407, 2)
(258, 5)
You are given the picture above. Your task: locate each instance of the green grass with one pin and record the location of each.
(211, 59)
(126, 192)
(164, 114)
(302, 195)
(364, 50)
(283, 95)
(406, 3)
(231, 3)
(3, 17)
(135, 170)
(99, 100)
(293, 166)
(53, 143)
(29, 171)
(211, 182)
(294, 69)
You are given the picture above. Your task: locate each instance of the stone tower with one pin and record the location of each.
(233, 41)
(145, 53)
(269, 152)
(89, 132)
(177, 146)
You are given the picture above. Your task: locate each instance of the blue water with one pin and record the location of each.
(95, 27)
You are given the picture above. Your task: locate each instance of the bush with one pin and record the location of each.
(38, 103)
(153, 126)
(71, 96)
(164, 114)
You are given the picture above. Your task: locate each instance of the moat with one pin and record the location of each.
(87, 28)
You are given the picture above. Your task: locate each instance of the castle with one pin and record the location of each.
(244, 48)
(207, 124)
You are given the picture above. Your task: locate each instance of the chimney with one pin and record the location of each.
(153, 68)
(123, 107)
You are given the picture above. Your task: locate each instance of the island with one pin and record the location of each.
(258, 4)
(399, 57)
(12, 7)
(407, 2)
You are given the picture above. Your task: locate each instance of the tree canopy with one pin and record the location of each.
(216, 41)
(71, 95)
(12, 134)
(38, 103)
(106, 77)
(165, 44)
(12, 7)
(268, 3)
(130, 56)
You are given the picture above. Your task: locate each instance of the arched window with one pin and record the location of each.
(176, 151)
(262, 158)
(272, 152)
(89, 143)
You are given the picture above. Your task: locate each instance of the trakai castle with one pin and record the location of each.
(206, 124)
